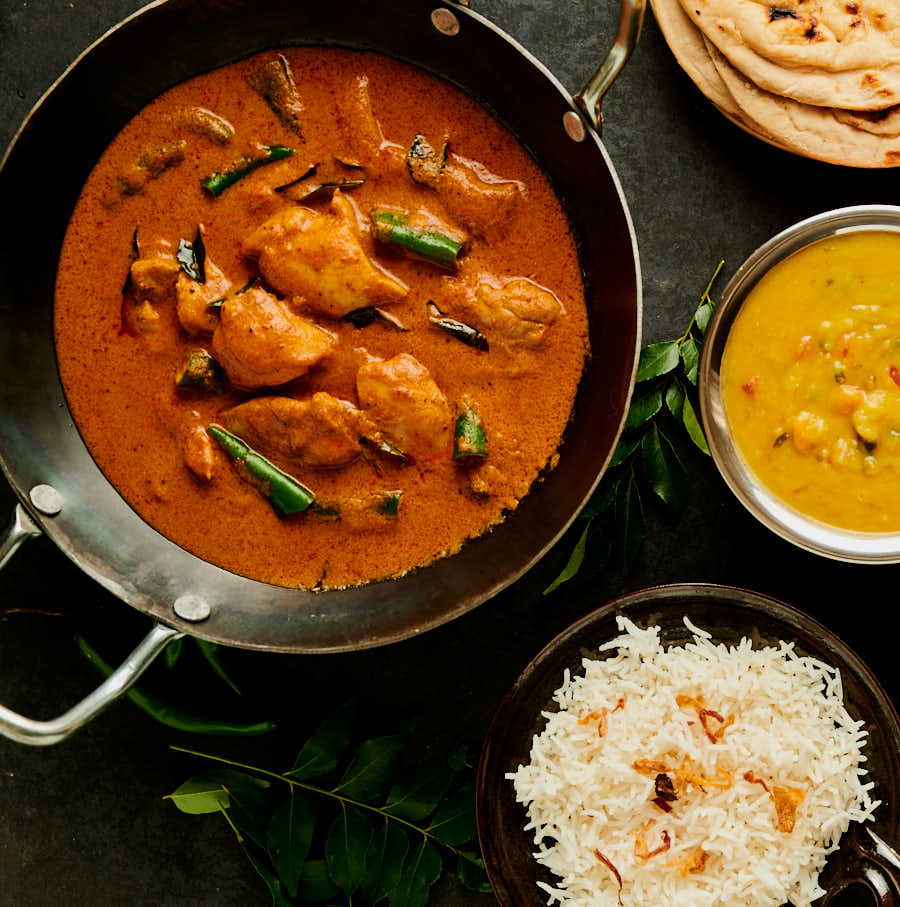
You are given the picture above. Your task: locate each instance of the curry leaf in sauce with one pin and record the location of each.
(192, 257)
(321, 838)
(645, 455)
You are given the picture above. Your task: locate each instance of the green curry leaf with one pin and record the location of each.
(657, 359)
(630, 526)
(289, 835)
(690, 357)
(369, 773)
(470, 871)
(346, 847)
(692, 424)
(573, 565)
(643, 409)
(663, 470)
(384, 861)
(321, 754)
(416, 797)
(420, 871)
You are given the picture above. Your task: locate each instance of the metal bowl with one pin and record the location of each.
(864, 857)
(783, 519)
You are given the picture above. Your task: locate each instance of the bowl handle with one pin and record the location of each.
(591, 96)
(874, 864)
(44, 733)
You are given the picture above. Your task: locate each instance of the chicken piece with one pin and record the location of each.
(363, 131)
(319, 432)
(405, 403)
(197, 450)
(193, 299)
(475, 197)
(261, 342)
(154, 278)
(320, 257)
(518, 311)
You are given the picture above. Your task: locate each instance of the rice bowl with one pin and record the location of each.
(790, 751)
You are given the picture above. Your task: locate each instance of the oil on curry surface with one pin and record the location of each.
(319, 318)
(811, 380)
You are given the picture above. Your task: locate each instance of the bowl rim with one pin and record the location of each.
(666, 595)
(808, 533)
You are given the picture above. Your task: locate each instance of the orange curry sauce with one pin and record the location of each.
(120, 385)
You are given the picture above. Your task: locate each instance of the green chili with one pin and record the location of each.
(468, 438)
(392, 227)
(200, 372)
(216, 183)
(388, 504)
(174, 717)
(286, 495)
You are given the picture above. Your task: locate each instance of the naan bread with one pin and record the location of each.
(817, 132)
(822, 52)
(689, 49)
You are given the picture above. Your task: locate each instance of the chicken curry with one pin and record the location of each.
(319, 317)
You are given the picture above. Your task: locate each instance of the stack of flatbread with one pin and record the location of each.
(817, 77)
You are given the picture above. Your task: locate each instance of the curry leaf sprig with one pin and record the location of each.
(346, 828)
(176, 716)
(645, 457)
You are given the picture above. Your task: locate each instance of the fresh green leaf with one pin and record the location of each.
(663, 470)
(459, 758)
(422, 869)
(369, 772)
(675, 399)
(249, 810)
(624, 449)
(200, 795)
(259, 862)
(384, 861)
(417, 796)
(289, 835)
(657, 359)
(345, 848)
(315, 886)
(173, 652)
(643, 409)
(213, 657)
(702, 316)
(470, 871)
(454, 822)
(630, 525)
(321, 754)
(692, 424)
(690, 356)
(602, 499)
(573, 565)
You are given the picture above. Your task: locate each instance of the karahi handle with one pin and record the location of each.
(590, 98)
(44, 733)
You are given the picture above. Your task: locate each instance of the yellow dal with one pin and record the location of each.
(811, 380)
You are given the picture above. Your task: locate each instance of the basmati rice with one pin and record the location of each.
(719, 845)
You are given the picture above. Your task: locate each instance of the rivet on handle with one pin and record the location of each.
(445, 21)
(192, 608)
(574, 126)
(47, 499)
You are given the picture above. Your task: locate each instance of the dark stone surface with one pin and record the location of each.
(84, 822)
